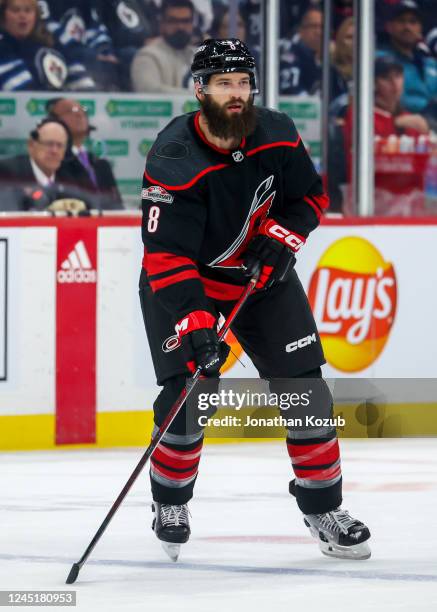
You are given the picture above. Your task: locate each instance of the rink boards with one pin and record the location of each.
(74, 363)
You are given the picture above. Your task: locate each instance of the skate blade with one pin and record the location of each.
(358, 552)
(172, 550)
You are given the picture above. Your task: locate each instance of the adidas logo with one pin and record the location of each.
(77, 267)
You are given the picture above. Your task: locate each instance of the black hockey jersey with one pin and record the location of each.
(202, 205)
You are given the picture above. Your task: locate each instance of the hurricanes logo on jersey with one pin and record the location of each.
(261, 203)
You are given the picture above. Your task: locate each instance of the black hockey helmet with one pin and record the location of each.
(220, 55)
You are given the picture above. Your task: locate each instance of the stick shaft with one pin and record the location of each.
(162, 430)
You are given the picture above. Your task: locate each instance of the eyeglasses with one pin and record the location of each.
(73, 110)
(52, 144)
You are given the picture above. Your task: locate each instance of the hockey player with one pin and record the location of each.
(228, 191)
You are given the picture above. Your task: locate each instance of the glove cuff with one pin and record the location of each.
(272, 229)
(198, 319)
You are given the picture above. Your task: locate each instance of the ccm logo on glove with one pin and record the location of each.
(282, 234)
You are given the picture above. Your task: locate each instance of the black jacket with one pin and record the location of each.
(20, 191)
(106, 195)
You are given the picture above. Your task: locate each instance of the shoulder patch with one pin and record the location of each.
(172, 150)
(157, 194)
(176, 160)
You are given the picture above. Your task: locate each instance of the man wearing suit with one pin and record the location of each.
(32, 182)
(80, 168)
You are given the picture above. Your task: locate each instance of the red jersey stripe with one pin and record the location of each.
(321, 200)
(155, 263)
(271, 145)
(185, 185)
(174, 278)
(314, 207)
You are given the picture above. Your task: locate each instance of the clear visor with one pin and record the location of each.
(231, 83)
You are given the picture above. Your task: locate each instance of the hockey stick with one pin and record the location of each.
(76, 567)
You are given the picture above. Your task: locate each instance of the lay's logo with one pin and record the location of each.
(353, 294)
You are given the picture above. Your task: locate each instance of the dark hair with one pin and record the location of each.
(39, 34)
(404, 6)
(311, 9)
(386, 65)
(50, 110)
(169, 4)
(50, 105)
(34, 134)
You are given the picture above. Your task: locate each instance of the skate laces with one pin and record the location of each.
(174, 515)
(337, 520)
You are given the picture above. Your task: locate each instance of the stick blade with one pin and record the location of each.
(74, 573)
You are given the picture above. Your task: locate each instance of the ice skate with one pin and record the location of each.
(339, 535)
(172, 526)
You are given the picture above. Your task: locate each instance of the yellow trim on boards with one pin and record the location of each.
(133, 428)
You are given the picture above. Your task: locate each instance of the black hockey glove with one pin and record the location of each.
(200, 343)
(271, 258)
(272, 253)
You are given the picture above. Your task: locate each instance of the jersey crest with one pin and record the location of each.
(261, 203)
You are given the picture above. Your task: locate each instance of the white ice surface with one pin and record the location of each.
(249, 549)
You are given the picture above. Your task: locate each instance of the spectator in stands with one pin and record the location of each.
(31, 182)
(130, 24)
(291, 13)
(79, 32)
(300, 70)
(404, 29)
(384, 12)
(28, 58)
(342, 60)
(390, 118)
(81, 169)
(163, 66)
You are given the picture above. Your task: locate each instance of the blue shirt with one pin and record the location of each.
(420, 74)
(299, 71)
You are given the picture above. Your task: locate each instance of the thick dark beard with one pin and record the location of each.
(222, 125)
